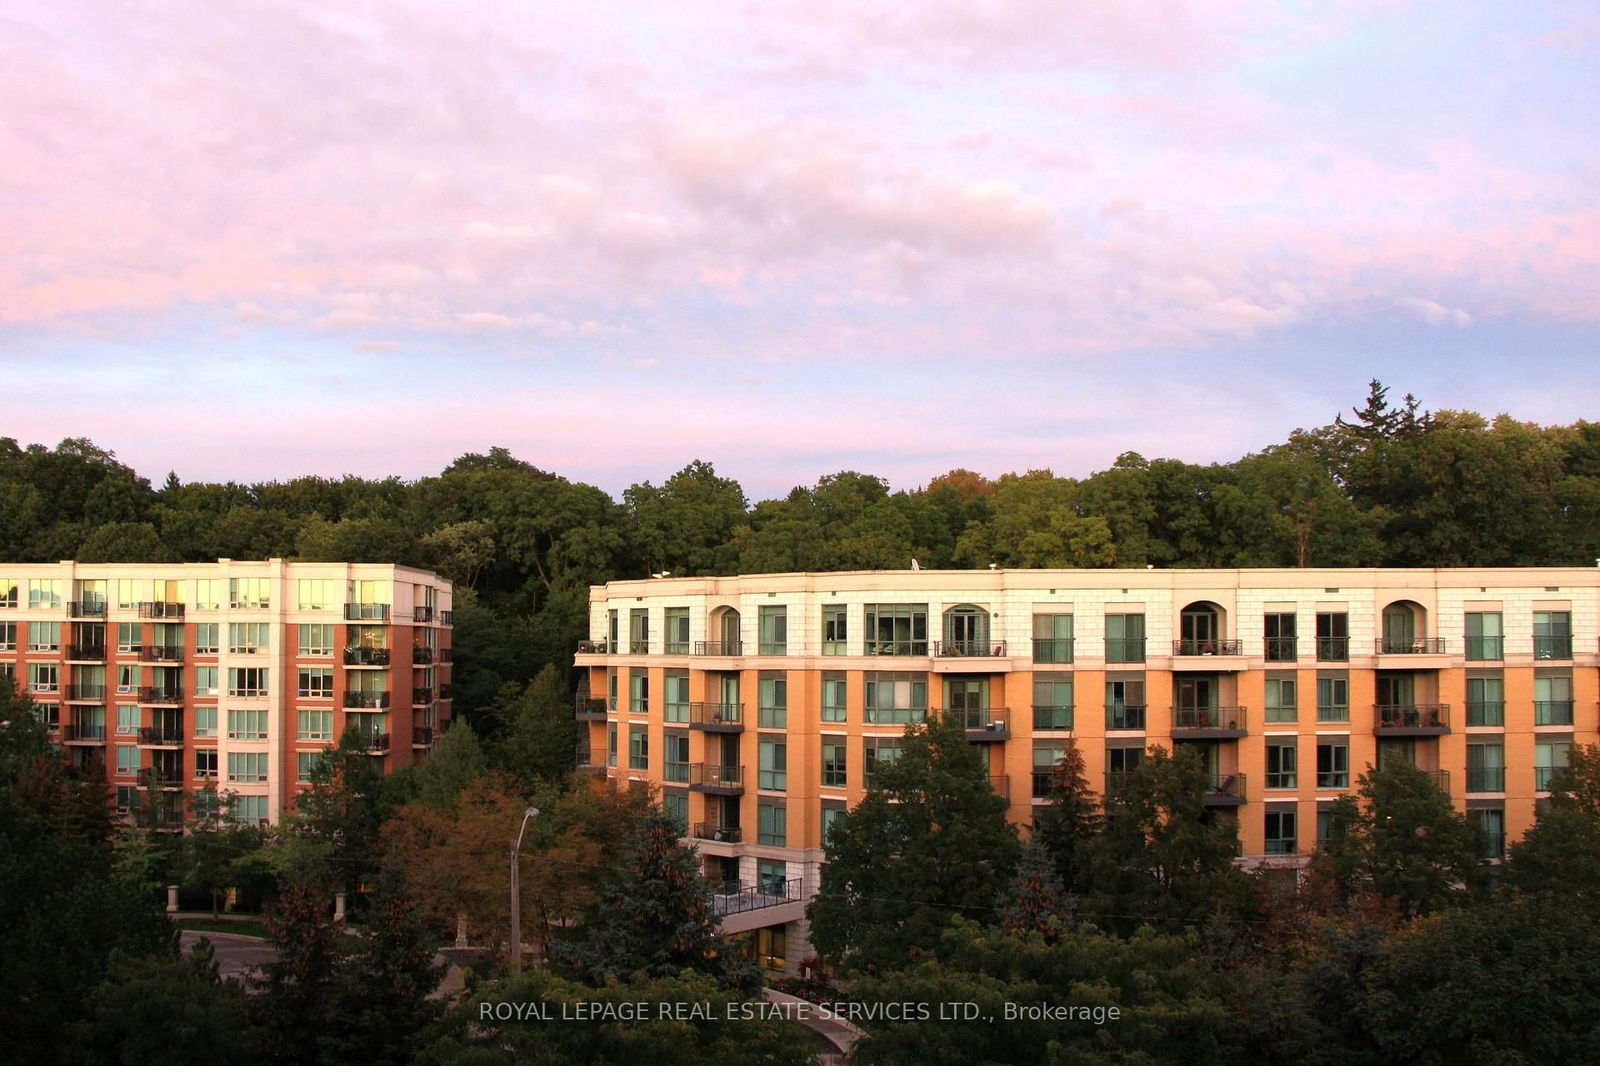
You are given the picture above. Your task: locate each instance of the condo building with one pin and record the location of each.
(759, 705)
(198, 683)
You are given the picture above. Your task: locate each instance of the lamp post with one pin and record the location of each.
(516, 894)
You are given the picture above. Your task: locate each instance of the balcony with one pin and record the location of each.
(1124, 649)
(1125, 716)
(1208, 647)
(1552, 712)
(585, 760)
(712, 777)
(373, 743)
(731, 898)
(76, 733)
(1409, 646)
(366, 612)
(1440, 779)
(422, 614)
(161, 737)
(1053, 650)
(1282, 649)
(86, 653)
(161, 694)
(984, 725)
(591, 710)
(1225, 790)
(421, 656)
(1486, 779)
(721, 834)
(1052, 719)
(363, 656)
(1000, 784)
(160, 609)
(86, 609)
(722, 648)
(717, 717)
(165, 782)
(982, 649)
(421, 697)
(592, 647)
(366, 700)
(1333, 649)
(1556, 648)
(1213, 722)
(170, 653)
(1411, 719)
(422, 736)
(83, 693)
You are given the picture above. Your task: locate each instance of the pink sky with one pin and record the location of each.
(254, 240)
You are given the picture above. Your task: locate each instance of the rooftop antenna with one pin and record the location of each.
(914, 564)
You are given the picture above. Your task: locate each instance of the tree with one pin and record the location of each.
(456, 761)
(293, 997)
(341, 812)
(1560, 855)
(927, 843)
(1409, 842)
(541, 734)
(1036, 899)
(654, 918)
(1068, 822)
(686, 525)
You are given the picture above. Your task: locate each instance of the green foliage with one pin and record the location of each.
(539, 740)
(293, 996)
(457, 759)
(1069, 821)
(928, 843)
(1560, 855)
(1410, 844)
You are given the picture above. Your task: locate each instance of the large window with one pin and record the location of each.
(877, 751)
(774, 694)
(773, 630)
(248, 638)
(774, 765)
(247, 767)
(127, 759)
(247, 681)
(835, 629)
(205, 763)
(1333, 764)
(1493, 822)
(1333, 637)
(834, 706)
(1124, 638)
(897, 629)
(44, 677)
(1283, 762)
(677, 631)
(46, 594)
(315, 684)
(638, 692)
(320, 594)
(1550, 755)
(1280, 835)
(1052, 702)
(208, 594)
(638, 748)
(308, 763)
(772, 823)
(966, 631)
(1052, 638)
(315, 725)
(207, 636)
(1282, 642)
(1552, 698)
(639, 631)
(1125, 703)
(677, 758)
(248, 810)
(675, 803)
(897, 698)
(1486, 767)
(1552, 634)
(46, 636)
(1282, 698)
(247, 725)
(1485, 638)
(1486, 700)
(252, 593)
(835, 762)
(316, 641)
(676, 705)
(1333, 698)
(205, 721)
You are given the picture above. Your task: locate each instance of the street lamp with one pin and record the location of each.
(516, 895)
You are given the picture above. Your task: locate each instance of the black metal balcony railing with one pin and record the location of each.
(715, 775)
(366, 699)
(79, 731)
(1229, 719)
(592, 647)
(1552, 712)
(896, 647)
(722, 834)
(160, 609)
(422, 614)
(1409, 646)
(86, 653)
(166, 653)
(155, 778)
(719, 647)
(161, 736)
(712, 715)
(1333, 649)
(1486, 712)
(421, 736)
(366, 612)
(87, 609)
(421, 656)
(375, 743)
(973, 718)
(1042, 780)
(83, 693)
(1053, 650)
(421, 696)
(1440, 779)
(364, 656)
(1124, 716)
(591, 710)
(1282, 649)
(1052, 719)
(1124, 649)
(733, 898)
(160, 694)
(1486, 779)
(1433, 716)
(1552, 647)
(1542, 776)
(1486, 649)
(1226, 788)
(986, 649)
(587, 760)
(1207, 647)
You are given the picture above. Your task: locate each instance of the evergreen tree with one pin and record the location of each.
(293, 999)
(541, 734)
(1069, 821)
(1035, 902)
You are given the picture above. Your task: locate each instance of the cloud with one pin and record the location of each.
(1436, 314)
